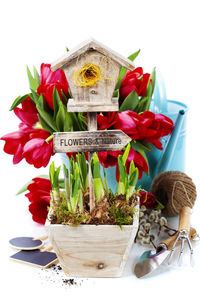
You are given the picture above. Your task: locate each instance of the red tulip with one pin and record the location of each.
(156, 126)
(39, 196)
(109, 158)
(134, 81)
(14, 143)
(28, 113)
(17, 142)
(105, 120)
(38, 152)
(131, 123)
(147, 199)
(49, 80)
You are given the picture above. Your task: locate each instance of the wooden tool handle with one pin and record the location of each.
(42, 238)
(48, 248)
(185, 215)
(170, 241)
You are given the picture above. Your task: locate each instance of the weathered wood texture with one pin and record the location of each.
(92, 127)
(101, 92)
(88, 45)
(93, 251)
(90, 141)
(72, 106)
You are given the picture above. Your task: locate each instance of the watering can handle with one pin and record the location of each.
(159, 104)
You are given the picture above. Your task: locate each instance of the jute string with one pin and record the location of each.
(89, 73)
(174, 190)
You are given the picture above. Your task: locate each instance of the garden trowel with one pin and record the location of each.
(151, 260)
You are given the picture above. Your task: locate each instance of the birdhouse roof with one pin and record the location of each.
(92, 44)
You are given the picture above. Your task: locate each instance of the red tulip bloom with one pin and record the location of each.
(156, 126)
(39, 196)
(134, 81)
(105, 120)
(49, 80)
(38, 152)
(18, 143)
(131, 123)
(14, 143)
(27, 113)
(109, 158)
(147, 199)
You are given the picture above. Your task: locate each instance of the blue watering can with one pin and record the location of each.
(172, 157)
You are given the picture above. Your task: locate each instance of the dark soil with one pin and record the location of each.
(55, 275)
(113, 210)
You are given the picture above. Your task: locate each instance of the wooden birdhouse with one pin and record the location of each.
(92, 72)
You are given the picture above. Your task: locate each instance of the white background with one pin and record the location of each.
(33, 32)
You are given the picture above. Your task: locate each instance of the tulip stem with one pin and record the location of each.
(49, 138)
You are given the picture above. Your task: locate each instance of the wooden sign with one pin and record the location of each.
(90, 141)
(35, 258)
(26, 243)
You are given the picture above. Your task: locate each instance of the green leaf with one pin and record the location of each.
(123, 70)
(133, 178)
(44, 125)
(142, 145)
(83, 167)
(18, 101)
(56, 177)
(36, 75)
(56, 102)
(142, 105)
(32, 82)
(70, 93)
(60, 118)
(116, 94)
(145, 157)
(45, 115)
(122, 176)
(64, 119)
(106, 182)
(34, 96)
(68, 123)
(125, 155)
(148, 95)
(66, 171)
(153, 78)
(82, 121)
(130, 102)
(64, 97)
(149, 89)
(131, 168)
(75, 121)
(51, 173)
(133, 56)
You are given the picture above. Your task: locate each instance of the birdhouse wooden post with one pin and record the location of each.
(92, 72)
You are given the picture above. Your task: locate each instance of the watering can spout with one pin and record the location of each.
(170, 147)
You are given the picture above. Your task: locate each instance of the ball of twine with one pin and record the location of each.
(174, 189)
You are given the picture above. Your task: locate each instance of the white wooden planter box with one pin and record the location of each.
(93, 250)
